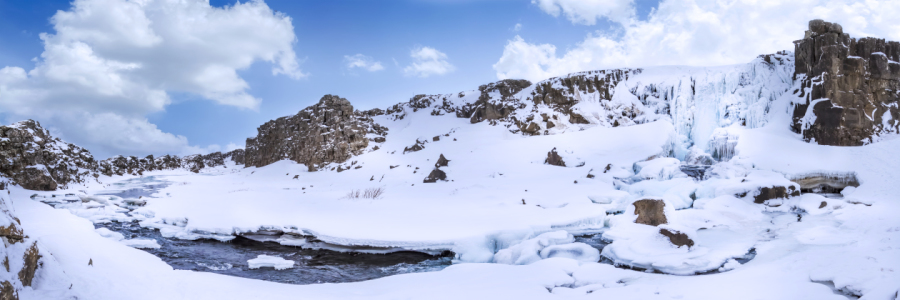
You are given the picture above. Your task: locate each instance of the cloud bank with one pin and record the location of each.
(109, 63)
(688, 32)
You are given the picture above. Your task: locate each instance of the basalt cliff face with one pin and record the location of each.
(327, 132)
(850, 86)
(32, 158)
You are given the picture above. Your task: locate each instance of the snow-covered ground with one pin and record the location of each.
(509, 217)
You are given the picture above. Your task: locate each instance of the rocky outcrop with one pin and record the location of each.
(495, 102)
(33, 159)
(650, 212)
(850, 87)
(442, 162)
(329, 131)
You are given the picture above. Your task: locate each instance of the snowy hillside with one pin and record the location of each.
(654, 183)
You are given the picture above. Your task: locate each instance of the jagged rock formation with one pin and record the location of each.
(30, 157)
(329, 131)
(850, 87)
(488, 108)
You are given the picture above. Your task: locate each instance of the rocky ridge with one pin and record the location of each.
(35, 160)
(327, 132)
(850, 87)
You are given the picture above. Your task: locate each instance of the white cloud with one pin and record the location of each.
(586, 12)
(698, 32)
(118, 60)
(517, 27)
(428, 61)
(362, 62)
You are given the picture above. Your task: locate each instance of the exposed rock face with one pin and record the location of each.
(488, 108)
(677, 238)
(31, 257)
(650, 212)
(32, 158)
(553, 158)
(329, 131)
(825, 182)
(850, 87)
(775, 192)
(121, 165)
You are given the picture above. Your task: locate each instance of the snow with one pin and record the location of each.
(270, 261)
(511, 220)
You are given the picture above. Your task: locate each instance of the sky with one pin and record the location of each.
(138, 77)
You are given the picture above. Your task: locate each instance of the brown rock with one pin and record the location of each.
(329, 131)
(31, 257)
(677, 238)
(553, 158)
(853, 85)
(775, 192)
(650, 212)
(8, 291)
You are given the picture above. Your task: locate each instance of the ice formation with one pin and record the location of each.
(270, 261)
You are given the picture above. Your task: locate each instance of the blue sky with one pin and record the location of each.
(473, 36)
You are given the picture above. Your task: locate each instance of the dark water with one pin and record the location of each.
(311, 266)
(230, 258)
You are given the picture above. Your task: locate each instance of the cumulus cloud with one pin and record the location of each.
(115, 61)
(428, 61)
(587, 12)
(362, 62)
(694, 32)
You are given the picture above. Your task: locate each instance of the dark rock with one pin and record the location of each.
(33, 159)
(8, 291)
(379, 139)
(677, 238)
(650, 212)
(12, 233)
(823, 204)
(853, 85)
(487, 108)
(442, 162)
(31, 257)
(327, 132)
(418, 146)
(553, 158)
(436, 175)
(436, 138)
(775, 192)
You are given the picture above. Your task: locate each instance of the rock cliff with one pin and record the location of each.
(329, 131)
(850, 87)
(32, 158)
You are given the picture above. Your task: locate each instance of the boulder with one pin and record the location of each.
(553, 158)
(775, 192)
(650, 212)
(435, 175)
(442, 162)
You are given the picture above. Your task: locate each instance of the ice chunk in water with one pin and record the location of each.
(528, 251)
(270, 261)
(578, 251)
